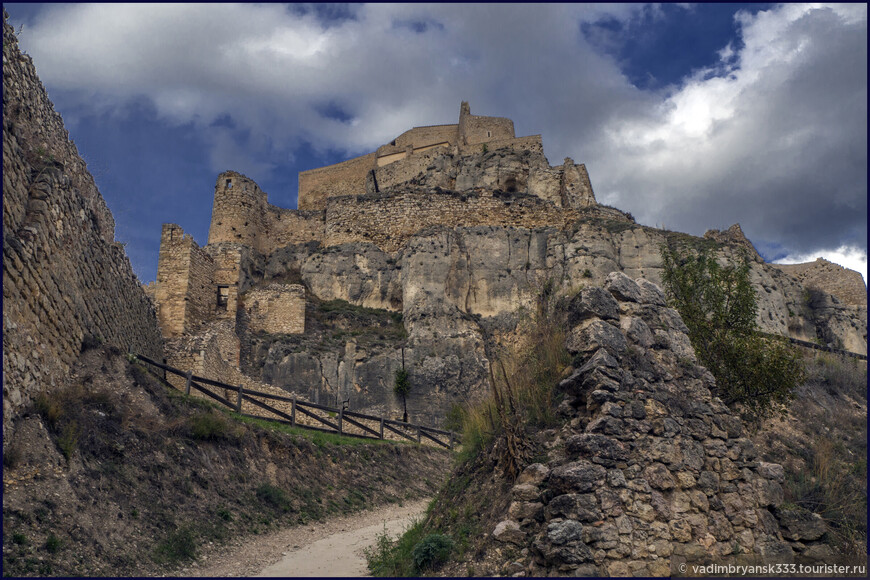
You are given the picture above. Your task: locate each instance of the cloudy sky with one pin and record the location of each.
(690, 117)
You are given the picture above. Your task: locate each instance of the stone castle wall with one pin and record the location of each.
(186, 291)
(64, 276)
(288, 226)
(474, 129)
(227, 260)
(277, 309)
(387, 221)
(346, 178)
(238, 214)
(349, 177)
(423, 136)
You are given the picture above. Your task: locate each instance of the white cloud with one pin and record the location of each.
(772, 136)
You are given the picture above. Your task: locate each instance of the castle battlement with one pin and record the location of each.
(349, 177)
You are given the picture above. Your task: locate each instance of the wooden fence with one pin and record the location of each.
(341, 421)
(815, 346)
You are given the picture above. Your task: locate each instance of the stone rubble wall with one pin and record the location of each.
(288, 226)
(389, 221)
(475, 129)
(423, 136)
(186, 291)
(227, 259)
(651, 470)
(276, 309)
(64, 275)
(239, 210)
(345, 178)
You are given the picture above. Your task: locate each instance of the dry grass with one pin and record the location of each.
(822, 443)
(523, 378)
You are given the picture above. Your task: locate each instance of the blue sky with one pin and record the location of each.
(689, 116)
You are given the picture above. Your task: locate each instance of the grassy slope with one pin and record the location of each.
(115, 474)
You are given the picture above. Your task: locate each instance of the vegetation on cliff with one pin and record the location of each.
(718, 305)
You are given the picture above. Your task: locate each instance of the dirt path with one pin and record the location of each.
(332, 547)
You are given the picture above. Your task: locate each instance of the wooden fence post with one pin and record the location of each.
(293, 411)
(451, 440)
(239, 403)
(340, 419)
(189, 378)
(382, 427)
(418, 433)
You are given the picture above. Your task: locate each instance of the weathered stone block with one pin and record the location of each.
(576, 477)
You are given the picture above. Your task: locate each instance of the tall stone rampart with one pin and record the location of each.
(346, 178)
(289, 226)
(186, 292)
(64, 276)
(420, 137)
(477, 129)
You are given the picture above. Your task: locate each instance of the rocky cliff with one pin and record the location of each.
(646, 474)
(455, 286)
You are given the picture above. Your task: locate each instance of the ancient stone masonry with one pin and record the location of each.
(277, 309)
(650, 470)
(348, 177)
(64, 275)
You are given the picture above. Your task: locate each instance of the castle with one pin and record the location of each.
(381, 198)
(450, 225)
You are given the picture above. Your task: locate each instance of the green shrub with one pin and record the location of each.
(178, 546)
(209, 426)
(53, 544)
(19, 538)
(432, 551)
(274, 497)
(718, 305)
(69, 439)
(393, 558)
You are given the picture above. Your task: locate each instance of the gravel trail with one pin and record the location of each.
(332, 547)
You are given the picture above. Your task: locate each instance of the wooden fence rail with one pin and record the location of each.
(815, 346)
(335, 423)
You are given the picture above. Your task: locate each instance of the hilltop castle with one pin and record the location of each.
(422, 178)
(454, 227)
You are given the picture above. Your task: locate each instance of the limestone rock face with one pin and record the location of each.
(455, 285)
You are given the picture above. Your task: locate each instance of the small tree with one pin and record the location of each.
(402, 387)
(718, 305)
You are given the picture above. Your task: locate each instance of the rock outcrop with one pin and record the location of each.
(649, 470)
